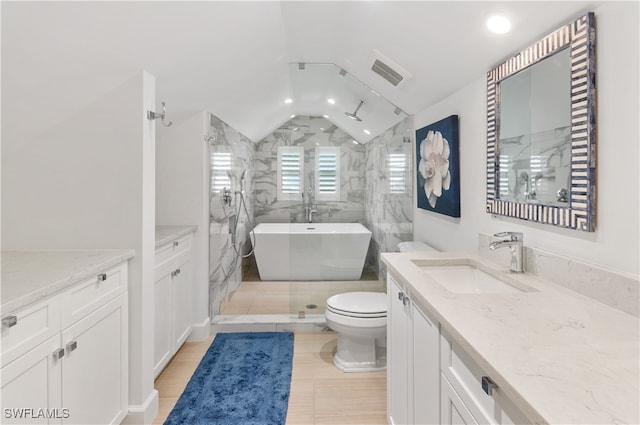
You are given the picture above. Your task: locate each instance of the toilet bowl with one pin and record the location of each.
(360, 320)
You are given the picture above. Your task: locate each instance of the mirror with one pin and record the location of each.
(541, 130)
(534, 136)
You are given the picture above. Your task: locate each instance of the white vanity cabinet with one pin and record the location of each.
(465, 398)
(172, 299)
(413, 371)
(65, 359)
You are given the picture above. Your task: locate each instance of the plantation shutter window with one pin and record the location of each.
(398, 165)
(327, 173)
(290, 173)
(220, 168)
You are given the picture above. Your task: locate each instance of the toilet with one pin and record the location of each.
(360, 320)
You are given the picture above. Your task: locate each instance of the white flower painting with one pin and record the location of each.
(434, 166)
(438, 167)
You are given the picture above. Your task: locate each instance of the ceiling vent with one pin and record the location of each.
(387, 69)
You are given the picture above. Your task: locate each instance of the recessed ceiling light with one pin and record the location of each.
(292, 116)
(326, 116)
(355, 142)
(331, 101)
(295, 129)
(288, 101)
(367, 131)
(321, 128)
(498, 24)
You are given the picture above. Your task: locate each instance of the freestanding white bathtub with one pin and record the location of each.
(314, 251)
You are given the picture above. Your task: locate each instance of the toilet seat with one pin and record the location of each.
(359, 304)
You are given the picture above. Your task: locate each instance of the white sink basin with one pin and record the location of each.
(467, 279)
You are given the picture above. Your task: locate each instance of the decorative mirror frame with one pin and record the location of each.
(579, 36)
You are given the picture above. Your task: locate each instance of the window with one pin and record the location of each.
(290, 172)
(220, 168)
(398, 166)
(327, 173)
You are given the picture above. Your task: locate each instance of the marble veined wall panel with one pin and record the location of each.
(389, 191)
(309, 132)
(232, 153)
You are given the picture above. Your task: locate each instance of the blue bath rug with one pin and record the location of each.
(243, 379)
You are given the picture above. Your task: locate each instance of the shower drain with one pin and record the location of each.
(302, 313)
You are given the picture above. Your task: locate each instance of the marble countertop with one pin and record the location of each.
(28, 276)
(561, 357)
(166, 234)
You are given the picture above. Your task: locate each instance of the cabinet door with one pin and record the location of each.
(452, 409)
(95, 366)
(30, 383)
(397, 354)
(162, 317)
(426, 368)
(181, 300)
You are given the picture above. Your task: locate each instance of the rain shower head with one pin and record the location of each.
(354, 116)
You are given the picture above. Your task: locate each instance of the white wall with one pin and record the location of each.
(182, 197)
(615, 244)
(89, 183)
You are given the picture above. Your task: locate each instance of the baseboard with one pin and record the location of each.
(200, 331)
(144, 413)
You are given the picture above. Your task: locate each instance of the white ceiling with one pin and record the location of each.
(233, 58)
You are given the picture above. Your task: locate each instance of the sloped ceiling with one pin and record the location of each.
(232, 58)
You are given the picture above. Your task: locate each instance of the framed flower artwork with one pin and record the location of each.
(438, 167)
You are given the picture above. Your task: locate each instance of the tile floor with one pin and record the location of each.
(320, 393)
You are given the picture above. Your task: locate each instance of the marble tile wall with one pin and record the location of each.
(617, 290)
(309, 132)
(388, 215)
(225, 266)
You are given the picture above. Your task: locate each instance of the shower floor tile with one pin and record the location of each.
(258, 297)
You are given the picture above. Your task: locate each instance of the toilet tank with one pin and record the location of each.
(412, 246)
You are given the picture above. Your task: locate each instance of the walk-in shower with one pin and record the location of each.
(342, 181)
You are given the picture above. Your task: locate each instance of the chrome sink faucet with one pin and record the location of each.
(514, 241)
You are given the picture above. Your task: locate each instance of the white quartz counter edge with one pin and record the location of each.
(562, 358)
(29, 276)
(166, 234)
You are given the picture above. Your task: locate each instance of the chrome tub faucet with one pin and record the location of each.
(308, 205)
(514, 240)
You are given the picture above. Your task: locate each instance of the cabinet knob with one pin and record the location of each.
(9, 321)
(176, 243)
(72, 346)
(102, 277)
(58, 353)
(177, 271)
(488, 385)
(400, 296)
(405, 300)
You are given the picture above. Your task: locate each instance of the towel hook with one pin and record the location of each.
(154, 116)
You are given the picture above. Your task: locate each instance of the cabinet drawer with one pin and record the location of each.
(33, 325)
(86, 297)
(465, 377)
(173, 249)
